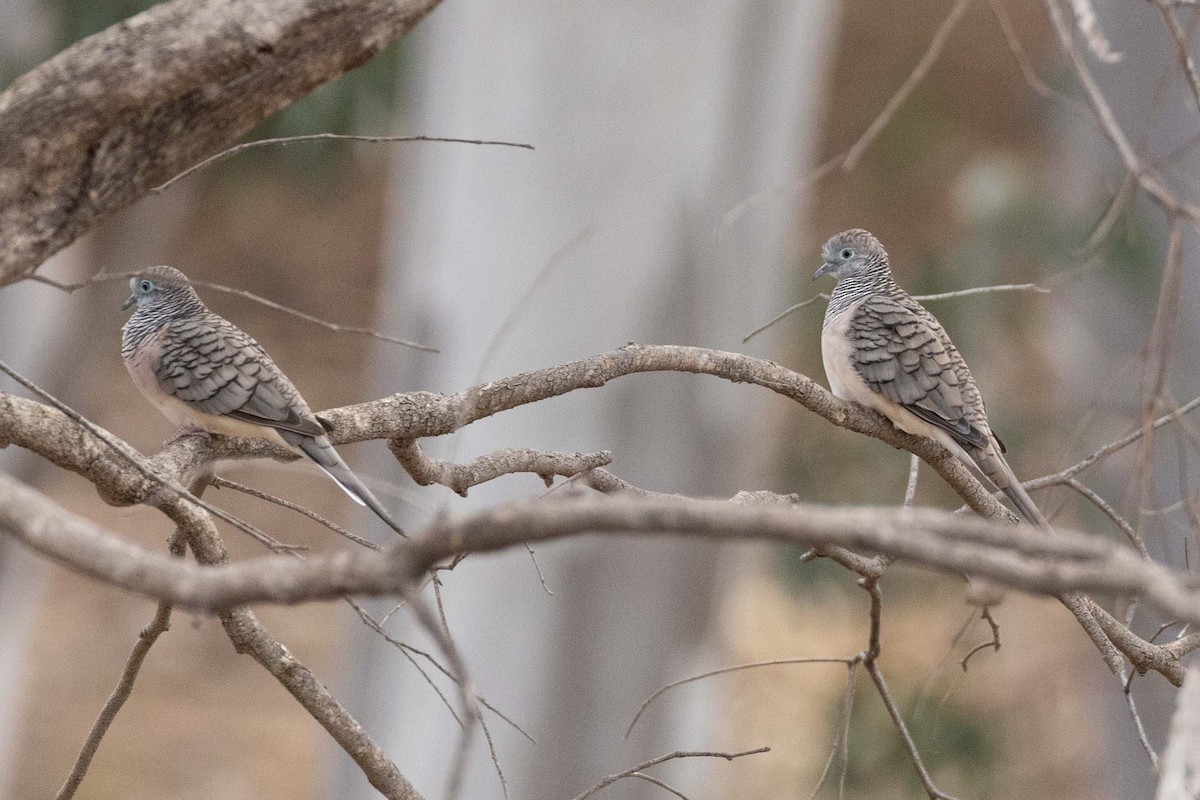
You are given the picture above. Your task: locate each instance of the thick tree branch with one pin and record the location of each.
(413, 415)
(102, 123)
(404, 418)
(249, 636)
(1019, 557)
(461, 477)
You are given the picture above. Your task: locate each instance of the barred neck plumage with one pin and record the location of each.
(147, 321)
(875, 279)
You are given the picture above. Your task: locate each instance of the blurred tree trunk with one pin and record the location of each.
(28, 329)
(651, 122)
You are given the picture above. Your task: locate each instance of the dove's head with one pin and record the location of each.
(852, 253)
(160, 289)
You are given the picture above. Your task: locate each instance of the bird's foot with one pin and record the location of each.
(186, 431)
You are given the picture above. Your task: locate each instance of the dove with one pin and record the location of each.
(882, 349)
(207, 375)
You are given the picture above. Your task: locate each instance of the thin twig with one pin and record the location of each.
(611, 779)
(851, 682)
(1059, 478)
(159, 625)
(487, 735)
(224, 483)
(333, 326)
(1185, 55)
(538, 567)
(894, 712)
(1008, 287)
(841, 736)
(1117, 206)
(1026, 64)
(724, 670)
(1004, 287)
(1134, 537)
(336, 327)
(404, 648)
(847, 159)
(994, 642)
(409, 651)
(1137, 721)
(870, 660)
(659, 783)
(783, 315)
(1109, 126)
(936, 45)
(318, 137)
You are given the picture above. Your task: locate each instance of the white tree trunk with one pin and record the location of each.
(651, 122)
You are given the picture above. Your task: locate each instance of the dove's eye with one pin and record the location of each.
(145, 287)
(847, 253)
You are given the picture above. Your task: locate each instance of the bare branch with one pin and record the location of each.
(659, 783)
(249, 636)
(1014, 556)
(420, 414)
(146, 639)
(1134, 538)
(1137, 721)
(1004, 287)
(993, 642)
(175, 83)
(1181, 43)
(1008, 287)
(1061, 477)
(725, 670)
(336, 327)
(320, 137)
(1026, 65)
(611, 779)
(894, 712)
(461, 477)
(1109, 126)
(224, 483)
(936, 45)
(1089, 26)
(783, 315)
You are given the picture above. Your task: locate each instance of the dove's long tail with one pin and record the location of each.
(1020, 498)
(992, 464)
(321, 451)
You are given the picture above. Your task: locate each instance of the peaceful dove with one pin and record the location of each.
(206, 374)
(883, 350)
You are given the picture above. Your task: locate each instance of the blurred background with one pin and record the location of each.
(666, 202)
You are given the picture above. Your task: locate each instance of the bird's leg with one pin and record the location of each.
(186, 431)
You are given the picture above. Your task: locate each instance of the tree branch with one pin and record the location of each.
(105, 121)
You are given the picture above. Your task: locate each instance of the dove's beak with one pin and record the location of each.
(132, 299)
(826, 269)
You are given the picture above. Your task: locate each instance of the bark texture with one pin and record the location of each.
(101, 124)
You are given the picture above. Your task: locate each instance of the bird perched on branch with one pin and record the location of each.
(207, 375)
(883, 350)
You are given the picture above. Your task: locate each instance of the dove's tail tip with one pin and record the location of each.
(325, 457)
(349, 483)
(1025, 506)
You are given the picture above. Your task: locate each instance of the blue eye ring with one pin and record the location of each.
(847, 253)
(145, 286)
